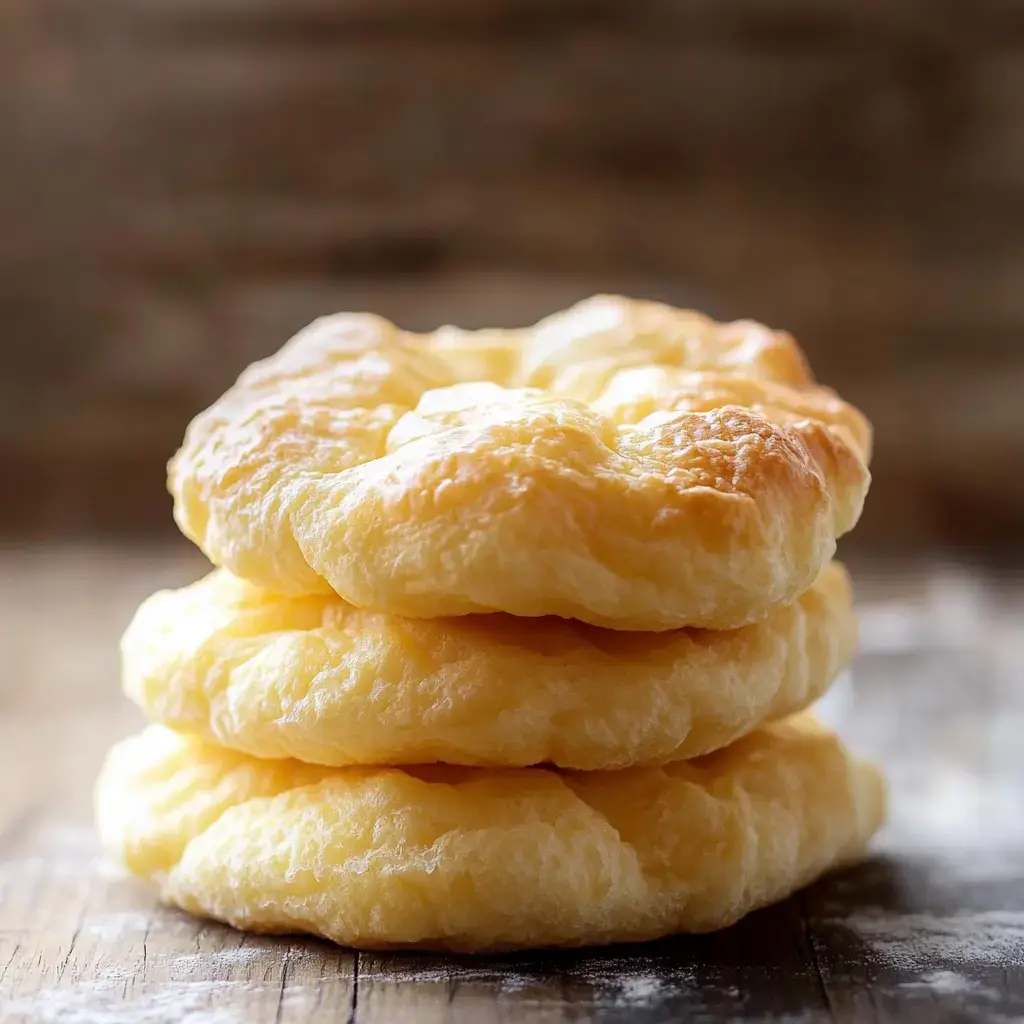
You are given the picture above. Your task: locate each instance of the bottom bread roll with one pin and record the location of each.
(473, 859)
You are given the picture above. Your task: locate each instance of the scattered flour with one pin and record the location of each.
(104, 1002)
(616, 981)
(505, 978)
(640, 990)
(221, 959)
(950, 983)
(631, 981)
(917, 941)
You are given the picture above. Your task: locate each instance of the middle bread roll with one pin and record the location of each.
(315, 679)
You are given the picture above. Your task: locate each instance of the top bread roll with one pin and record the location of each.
(623, 463)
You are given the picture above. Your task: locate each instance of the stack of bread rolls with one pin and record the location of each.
(511, 640)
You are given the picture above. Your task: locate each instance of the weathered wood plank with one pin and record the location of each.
(84, 943)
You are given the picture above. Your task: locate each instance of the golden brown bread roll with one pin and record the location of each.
(623, 463)
(486, 859)
(315, 679)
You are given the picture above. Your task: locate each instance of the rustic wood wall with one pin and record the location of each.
(184, 184)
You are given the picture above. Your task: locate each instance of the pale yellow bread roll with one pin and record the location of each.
(623, 463)
(315, 679)
(479, 859)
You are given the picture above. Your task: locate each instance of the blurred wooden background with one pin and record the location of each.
(184, 184)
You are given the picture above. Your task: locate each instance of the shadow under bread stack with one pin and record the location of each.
(511, 640)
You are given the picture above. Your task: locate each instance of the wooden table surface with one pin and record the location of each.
(930, 929)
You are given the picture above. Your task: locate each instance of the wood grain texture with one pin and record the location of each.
(185, 185)
(930, 930)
